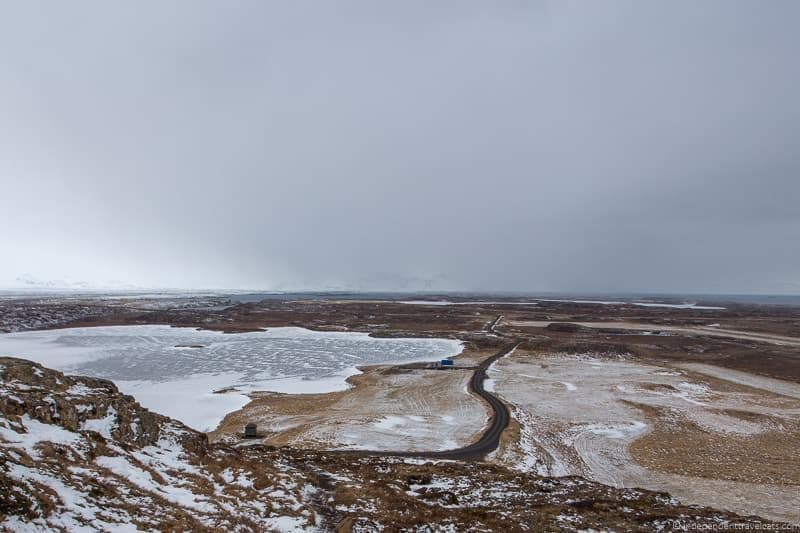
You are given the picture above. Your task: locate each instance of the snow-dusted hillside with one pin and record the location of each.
(78, 455)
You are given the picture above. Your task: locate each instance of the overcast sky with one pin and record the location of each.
(454, 145)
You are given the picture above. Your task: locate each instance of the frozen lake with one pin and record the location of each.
(174, 371)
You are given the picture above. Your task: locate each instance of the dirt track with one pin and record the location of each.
(693, 330)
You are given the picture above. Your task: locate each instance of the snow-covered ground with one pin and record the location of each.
(412, 410)
(123, 486)
(388, 409)
(640, 304)
(689, 305)
(679, 306)
(577, 416)
(440, 414)
(571, 416)
(175, 371)
(474, 302)
(75, 455)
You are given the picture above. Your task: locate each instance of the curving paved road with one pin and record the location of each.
(498, 422)
(491, 436)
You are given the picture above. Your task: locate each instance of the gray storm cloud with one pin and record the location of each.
(570, 146)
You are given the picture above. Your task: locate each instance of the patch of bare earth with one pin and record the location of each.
(388, 408)
(620, 421)
(770, 455)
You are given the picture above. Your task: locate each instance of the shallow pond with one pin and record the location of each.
(174, 371)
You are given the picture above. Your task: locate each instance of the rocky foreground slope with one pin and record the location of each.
(76, 454)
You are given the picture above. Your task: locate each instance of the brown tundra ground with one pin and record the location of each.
(701, 403)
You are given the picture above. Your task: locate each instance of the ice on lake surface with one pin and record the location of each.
(174, 371)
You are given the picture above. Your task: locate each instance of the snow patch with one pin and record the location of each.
(35, 434)
(394, 421)
(142, 479)
(103, 426)
(288, 524)
(617, 431)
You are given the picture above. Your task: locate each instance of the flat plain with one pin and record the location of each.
(698, 401)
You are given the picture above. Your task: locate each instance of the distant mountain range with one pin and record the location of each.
(29, 282)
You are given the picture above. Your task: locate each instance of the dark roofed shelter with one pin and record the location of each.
(250, 431)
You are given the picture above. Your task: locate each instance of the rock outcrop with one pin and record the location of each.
(76, 454)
